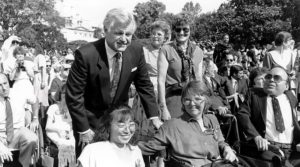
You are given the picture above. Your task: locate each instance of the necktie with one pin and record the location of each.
(9, 121)
(279, 124)
(116, 75)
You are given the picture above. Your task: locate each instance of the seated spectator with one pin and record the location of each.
(13, 131)
(215, 86)
(59, 129)
(257, 77)
(193, 139)
(236, 87)
(59, 80)
(268, 118)
(111, 147)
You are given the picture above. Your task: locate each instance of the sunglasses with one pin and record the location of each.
(66, 69)
(185, 30)
(229, 60)
(48, 65)
(15, 42)
(276, 78)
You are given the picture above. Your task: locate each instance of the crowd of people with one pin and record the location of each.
(182, 94)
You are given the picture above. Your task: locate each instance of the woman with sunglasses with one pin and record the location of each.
(111, 147)
(194, 139)
(178, 63)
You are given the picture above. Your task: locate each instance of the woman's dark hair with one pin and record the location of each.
(255, 73)
(282, 37)
(235, 69)
(181, 20)
(121, 113)
(19, 51)
(193, 88)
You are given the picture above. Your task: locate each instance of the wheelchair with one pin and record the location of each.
(234, 137)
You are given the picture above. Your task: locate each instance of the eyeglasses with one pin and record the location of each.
(48, 65)
(198, 101)
(185, 30)
(229, 60)
(66, 69)
(122, 126)
(276, 78)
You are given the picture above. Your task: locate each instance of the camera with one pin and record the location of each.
(21, 66)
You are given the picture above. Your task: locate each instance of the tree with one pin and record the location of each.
(246, 21)
(191, 9)
(147, 13)
(18, 15)
(44, 36)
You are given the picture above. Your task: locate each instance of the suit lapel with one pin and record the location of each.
(104, 77)
(125, 73)
(263, 107)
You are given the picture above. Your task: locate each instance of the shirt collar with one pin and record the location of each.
(186, 117)
(109, 51)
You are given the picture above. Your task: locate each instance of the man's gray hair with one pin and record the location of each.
(118, 15)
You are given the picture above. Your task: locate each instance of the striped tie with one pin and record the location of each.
(9, 121)
(116, 75)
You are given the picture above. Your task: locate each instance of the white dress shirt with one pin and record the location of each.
(271, 133)
(17, 101)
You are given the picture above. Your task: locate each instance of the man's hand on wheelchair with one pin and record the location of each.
(229, 154)
(261, 143)
(222, 110)
(5, 153)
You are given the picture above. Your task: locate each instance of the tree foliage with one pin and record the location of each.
(35, 21)
(147, 13)
(193, 11)
(247, 21)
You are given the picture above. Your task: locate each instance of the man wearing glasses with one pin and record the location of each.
(268, 118)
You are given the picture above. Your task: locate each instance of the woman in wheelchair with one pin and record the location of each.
(59, 130)
(193, 139)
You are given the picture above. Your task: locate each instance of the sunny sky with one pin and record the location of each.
(94, 11)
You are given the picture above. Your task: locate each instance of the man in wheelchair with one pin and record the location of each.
(268, 120)
(13, 133)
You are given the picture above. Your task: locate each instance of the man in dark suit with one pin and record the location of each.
(236, 87)
(101, 75)
(215, 86)
(269, 117)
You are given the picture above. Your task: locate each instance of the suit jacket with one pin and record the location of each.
(252, 114)
(217, 94)
(88, 84)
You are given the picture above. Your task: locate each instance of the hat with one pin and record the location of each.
(69, 57)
